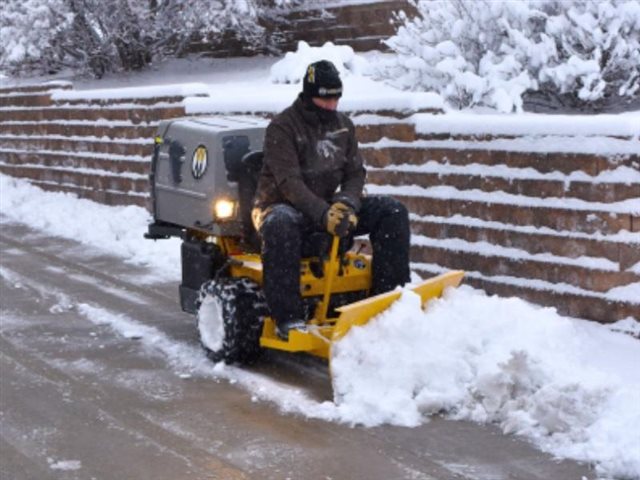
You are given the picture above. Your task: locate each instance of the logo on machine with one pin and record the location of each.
(199, 162)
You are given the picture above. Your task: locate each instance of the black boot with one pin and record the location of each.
(283, 328)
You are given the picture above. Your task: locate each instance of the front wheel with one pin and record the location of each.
(231, 313)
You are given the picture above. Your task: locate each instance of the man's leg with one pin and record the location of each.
(281, 234)
(387, 222)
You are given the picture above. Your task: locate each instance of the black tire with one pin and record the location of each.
(231, 313)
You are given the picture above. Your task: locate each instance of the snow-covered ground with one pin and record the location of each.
(571, 387)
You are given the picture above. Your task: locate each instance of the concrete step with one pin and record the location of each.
(100, 180)
(542, 162)
(76, 160)
(494, 261)
(124, 147)
(117, 130)
(619, 249)
(589, 191)
(447, 202)
(567, 301)
(134, 115)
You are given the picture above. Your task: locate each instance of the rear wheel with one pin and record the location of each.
(231, 312)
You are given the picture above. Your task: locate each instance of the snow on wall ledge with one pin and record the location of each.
(456, 123)
(178, 90)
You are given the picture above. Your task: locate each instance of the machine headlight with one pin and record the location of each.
(224, 209)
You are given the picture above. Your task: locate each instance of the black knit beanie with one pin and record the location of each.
(322, 79)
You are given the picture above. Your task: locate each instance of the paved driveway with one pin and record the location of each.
(82, 400)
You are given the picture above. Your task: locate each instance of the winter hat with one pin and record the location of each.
(322, 80)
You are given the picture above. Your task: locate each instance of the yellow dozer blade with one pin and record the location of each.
(320, 336)
(359, 313)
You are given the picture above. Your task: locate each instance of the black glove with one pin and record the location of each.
(340, 219)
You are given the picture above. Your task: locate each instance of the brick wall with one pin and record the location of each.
(549, 253)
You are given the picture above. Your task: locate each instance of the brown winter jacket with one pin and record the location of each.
(306, 161)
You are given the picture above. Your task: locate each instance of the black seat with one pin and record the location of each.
(250, 167)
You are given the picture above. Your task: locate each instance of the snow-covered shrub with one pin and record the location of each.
(292, 67)
(483, 52)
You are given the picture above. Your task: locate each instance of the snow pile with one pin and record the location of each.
(490, 53)
(116, 230)
(570, 386)
(292, 67)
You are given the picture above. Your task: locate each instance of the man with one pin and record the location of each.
(312, 180)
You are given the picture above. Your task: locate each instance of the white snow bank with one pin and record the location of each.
(570, 386)
(456, 123)
(116, 230)
(178, 90)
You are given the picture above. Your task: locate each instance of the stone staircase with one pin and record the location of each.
(555, 227)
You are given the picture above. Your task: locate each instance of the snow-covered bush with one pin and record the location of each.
(292, 67)
(483, 52)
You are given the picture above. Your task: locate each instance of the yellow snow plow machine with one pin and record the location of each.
(203, 178)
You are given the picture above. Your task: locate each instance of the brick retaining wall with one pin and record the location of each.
(551, 254)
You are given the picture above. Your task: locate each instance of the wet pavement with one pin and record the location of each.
(79, 400)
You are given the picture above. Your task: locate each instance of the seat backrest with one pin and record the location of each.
(251, 165)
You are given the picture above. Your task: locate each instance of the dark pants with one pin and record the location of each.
(283, 229)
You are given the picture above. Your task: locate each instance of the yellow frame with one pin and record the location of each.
(350, 274)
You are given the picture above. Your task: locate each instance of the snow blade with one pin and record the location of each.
(319, 336)
(359, 313)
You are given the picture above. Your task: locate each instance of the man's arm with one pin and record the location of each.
(281, 158)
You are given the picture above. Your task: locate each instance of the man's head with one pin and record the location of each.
(322, 84)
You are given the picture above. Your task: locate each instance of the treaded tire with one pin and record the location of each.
(231, 312)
